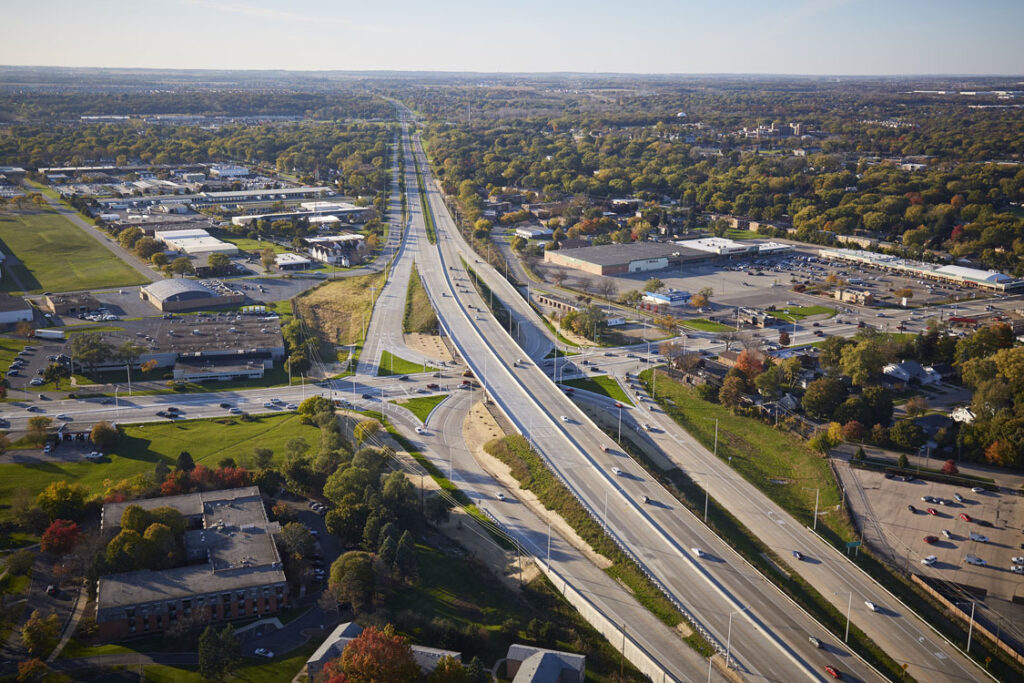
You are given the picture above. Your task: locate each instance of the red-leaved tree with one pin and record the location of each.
(60, 537)
(377, 655)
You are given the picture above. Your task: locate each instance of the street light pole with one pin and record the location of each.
(620, 423)
(970, 629)
(728, 639)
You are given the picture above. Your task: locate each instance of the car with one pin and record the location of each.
(929, 560)
(645, 499)
(928, 499)
(172, 409)
(501, 496)
(419, 430)
(930, 539)
(933, 511)
(941, 501)
(1017, 568)
(263, 652)
(52, 590)
(1017, 560)
(367, 396)
(34, 409)
(912, 509)
(616, 471)
(433, 385)
(958, 498)
(563, 418)
(815, 642)
(798, 555)
(980, 538)
(107, 402)
(698, 552)
(48, 448)
(975, 560)
(36, 382)
(94, 455)
(871, 606)
(945, 532)
(570, 390)
(647, 427)
(268, 404)
(62, 416)
(225, 405)
(977, 489)
(966, 517)
(291, 406)
(833, 672)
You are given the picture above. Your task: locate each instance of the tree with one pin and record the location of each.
(32, 670)
(631, 298)
(60, 537)
(406, 559)
(904, 293)
(162, 546)
(750, 363)
(823, 442)
(267, 258)
(365, 430)
(262, 457)
(185, 462)
(89, 349)
(379, 655)
(182, 266)
(654, 285)
(55, 372)
(211, 662)
(731, 391)
(24, 329)
(169, 517)
(902, 461)
(126, 552)
(297, 540)
(39, 634)
(861, 362)
(916, 405)
(448, 670)
(784, 338)
(39, 428)
(219, 263)
(950, 468)
(61, 500)
(854, 431)
(769, 382)
(352, 579)
(104, 435)
(5, 442)
(822, 397)
(146, 247)
(907, 434)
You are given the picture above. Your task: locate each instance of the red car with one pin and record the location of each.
(964, 516)
(570, 390)
(931, 539)
(933, 511)
(833, 672)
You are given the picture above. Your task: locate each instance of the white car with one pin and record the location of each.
(269, 404)
(1017, 568)
(95, 455)
(871, 606)
(563, 418)
(698, 552)
(36, 382)
(501, 496)
(1018, 560)
(291, 406)
(264, 652)
(929, 561)
(419, 430)
(64, 417)
(235, 410)
(616, 471)
(977, 489)
(975, 560)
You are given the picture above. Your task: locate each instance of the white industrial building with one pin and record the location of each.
(290, 261)
(229, 171)
(194, 241)
(534, 233)
(14, 309)
(726, 247)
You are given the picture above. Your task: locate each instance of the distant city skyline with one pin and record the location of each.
(812, 37)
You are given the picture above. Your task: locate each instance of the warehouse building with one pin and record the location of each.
(720, 246)
(971, 277)
(618, 259)
(290, 261)
(223, 171)
(670, 297)
(234, 570)
(194, 241)
(313, 212)
(198, 348)
(176, 295)
(14, 309)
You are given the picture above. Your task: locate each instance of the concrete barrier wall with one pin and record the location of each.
(619, 638)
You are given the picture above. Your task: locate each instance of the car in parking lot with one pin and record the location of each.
(1017, 568)
(563, 418)
(928, 499)
(912, 509)
(977, 489)
(1018, 560)
(980, 538)
(933, 511)
(945, 532)
(419, 430)
(930, 539)
(975, 560)
(929, 560)
(815, 642)
(958, 498)
(616, 471)
(501, 496)
(966, 517)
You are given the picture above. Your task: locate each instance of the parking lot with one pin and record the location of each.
(887, 521)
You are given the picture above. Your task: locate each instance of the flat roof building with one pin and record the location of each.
(194, 241)
(235, 571)
(229, 171)
(671, 297)
(14, 309)
(618, 259)
(290, 261)
(70, 304)
(973, 277)
(179, 294)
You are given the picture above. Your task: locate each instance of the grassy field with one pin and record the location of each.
(9, 349)
(141, 446)
(57, 255)
(252, 670)
(390, 364)
(737, 234)
(778, 463)
(706, 325)
(601, 384)
(421, 405)
(801, 312)
(419, 313)
(246, 244)
(338, 310)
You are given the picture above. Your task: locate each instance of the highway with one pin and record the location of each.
(717, 588)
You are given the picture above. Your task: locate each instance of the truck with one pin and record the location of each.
(50, 334)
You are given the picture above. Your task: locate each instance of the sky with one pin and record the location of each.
(842, 37)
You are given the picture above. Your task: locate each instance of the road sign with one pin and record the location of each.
(852, 544)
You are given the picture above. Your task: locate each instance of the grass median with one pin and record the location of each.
(421, 406)
(390, 364)
(604, 385)
(419, 313)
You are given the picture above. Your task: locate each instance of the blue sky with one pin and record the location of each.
(639, 36)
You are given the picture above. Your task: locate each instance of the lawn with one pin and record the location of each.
(601, 384)
(421, 406)
(252, 670)
(801, 312)
(777, 462)
(141, 446)
(706, 325)
(737, 234)
(246, 244)
(14, 584)
(419, 313)
(9, 349)
(338, 311)
(57, 255)
(390, 364)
